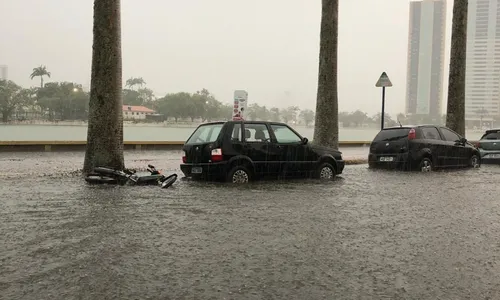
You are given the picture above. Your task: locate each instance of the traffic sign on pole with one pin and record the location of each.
(383, 82)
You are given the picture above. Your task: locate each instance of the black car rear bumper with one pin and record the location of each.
(401, 161)
(208, 170)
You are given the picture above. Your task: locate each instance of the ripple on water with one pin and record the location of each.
(368, 234)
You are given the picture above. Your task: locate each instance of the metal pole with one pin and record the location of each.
(383, 109)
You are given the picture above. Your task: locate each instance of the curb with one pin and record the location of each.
(355, 161)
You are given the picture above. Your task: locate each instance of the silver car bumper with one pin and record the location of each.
(489, 154)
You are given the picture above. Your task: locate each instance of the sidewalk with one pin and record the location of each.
(355, 152)
(65, 163)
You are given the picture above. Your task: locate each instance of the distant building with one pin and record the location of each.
(4, 72)
(136, 112)
(426, 40)
(482, 79)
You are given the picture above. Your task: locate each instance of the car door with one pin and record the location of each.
(434, 142)
(294, 159)
(261, 149)
(455, 151)
(236, 145)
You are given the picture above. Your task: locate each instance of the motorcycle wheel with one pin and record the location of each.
(168, 181)
(100, 180)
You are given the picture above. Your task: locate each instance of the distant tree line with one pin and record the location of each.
(69, 101)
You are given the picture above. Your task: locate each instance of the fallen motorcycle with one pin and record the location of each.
(103, 175)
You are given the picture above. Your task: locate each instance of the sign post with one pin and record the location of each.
(240, 104)
(383, 82)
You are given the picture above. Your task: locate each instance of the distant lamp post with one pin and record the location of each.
(482, 113)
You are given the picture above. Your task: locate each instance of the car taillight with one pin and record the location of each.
(412, 134)
(216, 155)
(184, 158)
(477, 144)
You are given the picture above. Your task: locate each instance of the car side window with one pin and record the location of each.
(236, 135)
(431, 133)
(256, 133)
(284, 135)
(449, 135)
(491, 136)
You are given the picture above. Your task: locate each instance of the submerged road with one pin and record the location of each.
(368, 235)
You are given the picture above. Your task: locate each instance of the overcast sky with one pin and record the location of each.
(268, 47)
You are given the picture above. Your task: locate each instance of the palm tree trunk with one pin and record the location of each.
(455, 113)
(326, 129)
(105, 126)
(41, 82)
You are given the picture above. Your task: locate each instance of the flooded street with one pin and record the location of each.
(368, 235)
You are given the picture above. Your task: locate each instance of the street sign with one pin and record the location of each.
(383, 81)
(239, 104)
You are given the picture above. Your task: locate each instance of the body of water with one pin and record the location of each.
(153, 133)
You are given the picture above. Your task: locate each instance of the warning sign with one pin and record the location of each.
(383, 81)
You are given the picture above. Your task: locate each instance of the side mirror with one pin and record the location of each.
(463, 140)
(304, 141)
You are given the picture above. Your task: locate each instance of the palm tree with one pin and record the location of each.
(326, 129)
(40, 72)
(455, 112)
(132, 82)
(105, 125)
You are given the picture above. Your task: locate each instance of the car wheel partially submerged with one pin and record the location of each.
(326, 172)
(474, 161)
(239, 174)
(425, 165)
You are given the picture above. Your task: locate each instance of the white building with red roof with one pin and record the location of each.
(136, 112)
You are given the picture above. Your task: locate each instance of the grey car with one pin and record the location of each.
(489, 146)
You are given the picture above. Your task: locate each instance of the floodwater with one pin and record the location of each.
(368, 235)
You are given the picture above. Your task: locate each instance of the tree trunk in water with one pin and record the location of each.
(455, 113)
(105, 127)
(326, 129)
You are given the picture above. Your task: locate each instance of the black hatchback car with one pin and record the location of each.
(239, 151)
(422, 147)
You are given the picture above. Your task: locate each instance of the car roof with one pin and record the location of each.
(412, 126)
(400, 126)
(248, 122)
(492, 130)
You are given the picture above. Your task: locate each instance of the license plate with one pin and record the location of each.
(196, 170)
(494, 155)
(387, 158)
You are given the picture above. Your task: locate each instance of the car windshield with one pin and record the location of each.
(392, 134)
(491, 136)
(205, 134)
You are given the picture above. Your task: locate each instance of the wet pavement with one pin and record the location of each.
(368, 235)
(56, 164)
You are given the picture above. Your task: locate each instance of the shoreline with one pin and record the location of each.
(171, 125)
(163, 124)
(85, 124)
